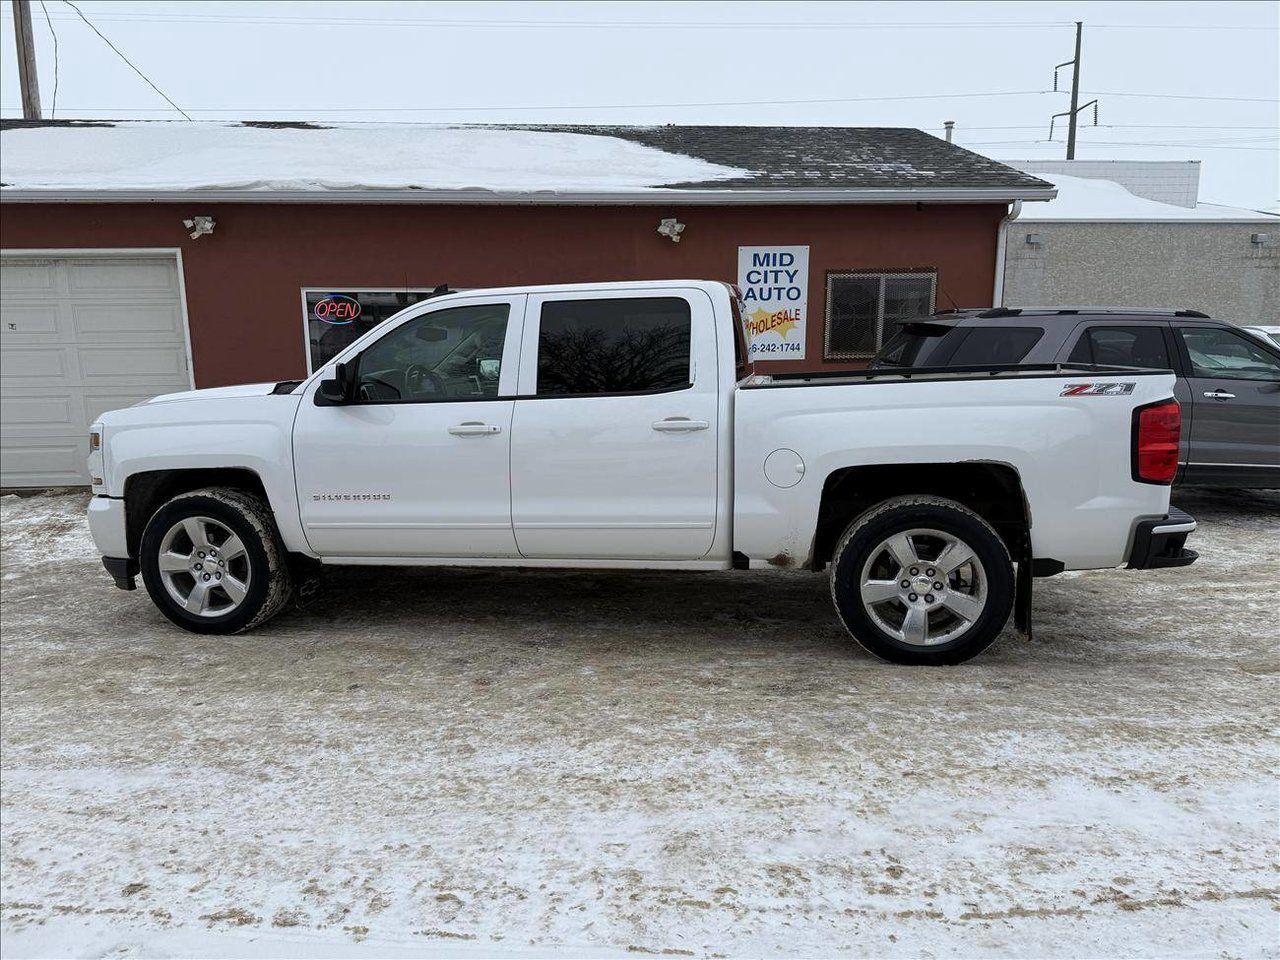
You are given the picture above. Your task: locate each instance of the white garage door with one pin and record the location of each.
(80, 335)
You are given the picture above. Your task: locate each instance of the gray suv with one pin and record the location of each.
(1228, 381)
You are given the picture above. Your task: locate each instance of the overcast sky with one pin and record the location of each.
(1215, 67)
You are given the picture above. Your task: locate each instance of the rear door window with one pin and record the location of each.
(1136, 346)
(627, 345)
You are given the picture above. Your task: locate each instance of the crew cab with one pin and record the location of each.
(618, 425)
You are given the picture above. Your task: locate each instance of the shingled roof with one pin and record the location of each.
(299, 161)
(803, 157)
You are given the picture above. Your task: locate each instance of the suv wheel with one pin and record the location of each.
(922, 580)
(213, 562)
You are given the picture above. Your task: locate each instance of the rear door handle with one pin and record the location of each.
(1219, 395)
(474, 428)
(679, 425)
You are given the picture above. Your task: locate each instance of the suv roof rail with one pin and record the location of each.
(996, 312)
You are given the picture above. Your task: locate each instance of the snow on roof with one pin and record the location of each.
(387, 162)
(1091, 200)
(306, 157)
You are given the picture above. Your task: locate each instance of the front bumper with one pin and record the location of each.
(1161, 543)
(106, 526)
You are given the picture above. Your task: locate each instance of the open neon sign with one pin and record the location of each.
(336, 309)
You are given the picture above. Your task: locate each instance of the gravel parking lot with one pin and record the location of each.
(479, 763)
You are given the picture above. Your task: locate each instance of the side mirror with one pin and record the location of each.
(338, 391)
(489, 368)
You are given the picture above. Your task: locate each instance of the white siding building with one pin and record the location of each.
(1124, 241)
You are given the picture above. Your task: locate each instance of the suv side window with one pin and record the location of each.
(1225, 354)
(453, 354)
(627, 345)
(1136, 346)
(982, 346)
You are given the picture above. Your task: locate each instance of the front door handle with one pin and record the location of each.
(679, 425)
(1219, 395)
(474, 428)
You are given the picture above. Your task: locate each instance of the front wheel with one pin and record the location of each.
(213, 562)
(922, 580)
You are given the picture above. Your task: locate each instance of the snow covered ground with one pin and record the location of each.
(476, 763)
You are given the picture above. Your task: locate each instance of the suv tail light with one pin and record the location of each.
(1157, 428)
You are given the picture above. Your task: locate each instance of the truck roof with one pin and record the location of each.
(708, 285)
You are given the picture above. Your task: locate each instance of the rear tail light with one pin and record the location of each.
(1157, 428)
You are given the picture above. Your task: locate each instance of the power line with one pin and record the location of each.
(1180, 96)
(671, 106)
(1114, 143)
(53, 110)
(1136, 126)
(587, 106)
(156, 16)
(125, 59)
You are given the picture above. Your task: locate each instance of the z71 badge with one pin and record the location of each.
(1097, 390)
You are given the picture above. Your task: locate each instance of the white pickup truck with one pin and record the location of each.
(618, 425)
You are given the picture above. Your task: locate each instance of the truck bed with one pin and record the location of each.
(902, 374)
(1064, 429)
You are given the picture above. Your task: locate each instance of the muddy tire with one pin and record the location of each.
(213, 562)
(923, 581)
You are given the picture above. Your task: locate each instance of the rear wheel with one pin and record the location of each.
(922, 580)
(213, 563)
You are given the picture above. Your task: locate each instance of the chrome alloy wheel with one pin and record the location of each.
(924, 587)
(204, 567)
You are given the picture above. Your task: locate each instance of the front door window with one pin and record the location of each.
(453, 354)
(1225, 354)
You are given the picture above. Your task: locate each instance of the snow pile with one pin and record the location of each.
(1093, 200)
(231, 156)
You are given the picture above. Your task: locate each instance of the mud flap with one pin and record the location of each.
(1022, 598)
(307, 580)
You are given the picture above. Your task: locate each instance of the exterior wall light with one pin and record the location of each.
(199, 226)
(1261, 239)
(1035, 239)
(671, 227)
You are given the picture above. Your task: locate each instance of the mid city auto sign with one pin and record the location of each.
(775, 293)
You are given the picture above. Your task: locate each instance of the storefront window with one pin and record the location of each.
(336, 317)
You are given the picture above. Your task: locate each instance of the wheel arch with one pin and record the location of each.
(993, 490)
(145, 492)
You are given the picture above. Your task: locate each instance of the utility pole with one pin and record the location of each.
(27, 77)
(1073, 114)
(1075, 96)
